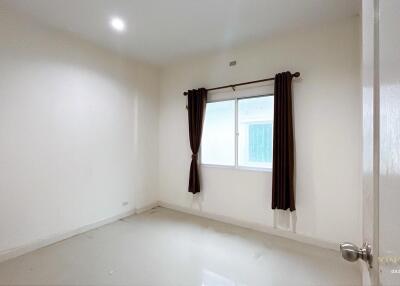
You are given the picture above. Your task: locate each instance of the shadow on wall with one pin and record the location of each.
(285, 220)
(197, 201)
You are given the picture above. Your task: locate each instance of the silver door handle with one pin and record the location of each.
(352, 252)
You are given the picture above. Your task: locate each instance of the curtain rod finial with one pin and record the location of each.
(296, 74)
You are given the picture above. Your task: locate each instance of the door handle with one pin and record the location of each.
(352, 252)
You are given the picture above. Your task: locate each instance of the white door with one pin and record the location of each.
(381, 139)
(370, 76)
(389, 174)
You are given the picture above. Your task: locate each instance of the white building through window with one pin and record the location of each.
(218, 140)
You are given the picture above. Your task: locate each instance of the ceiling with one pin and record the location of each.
(161, 31)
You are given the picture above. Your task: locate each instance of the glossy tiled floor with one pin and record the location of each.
(164, 247)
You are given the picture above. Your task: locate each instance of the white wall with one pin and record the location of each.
(327, 107)
(78, 129)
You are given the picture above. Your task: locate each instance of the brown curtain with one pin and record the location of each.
(197, 99)
(283, 146)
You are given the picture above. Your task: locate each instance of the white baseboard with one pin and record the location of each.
(257, 227)
(21, 250)
(18, 251)
(147, 208)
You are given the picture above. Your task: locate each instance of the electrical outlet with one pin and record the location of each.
(232, 63)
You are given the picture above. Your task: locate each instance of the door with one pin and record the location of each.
(370, 102)
(381, 139)
(389, 133)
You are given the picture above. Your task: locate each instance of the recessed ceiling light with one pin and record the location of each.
(117, 24)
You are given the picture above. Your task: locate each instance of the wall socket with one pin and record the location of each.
(232, 63)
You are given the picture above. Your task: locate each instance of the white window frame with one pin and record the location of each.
(236, 166)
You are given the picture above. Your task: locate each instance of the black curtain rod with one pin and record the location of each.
(296, 74)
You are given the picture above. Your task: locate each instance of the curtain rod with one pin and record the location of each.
(296, 74)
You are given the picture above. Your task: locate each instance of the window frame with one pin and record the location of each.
(236, 166)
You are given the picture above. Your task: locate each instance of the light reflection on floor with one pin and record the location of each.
(214, 279)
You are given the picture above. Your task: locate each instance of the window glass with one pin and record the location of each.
(255, 127)
(218, 141)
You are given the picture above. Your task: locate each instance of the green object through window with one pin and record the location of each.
(260, 142)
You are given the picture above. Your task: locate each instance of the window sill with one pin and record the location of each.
(234, 168)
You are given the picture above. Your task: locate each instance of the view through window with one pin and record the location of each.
(239, 133)
(218, 141)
